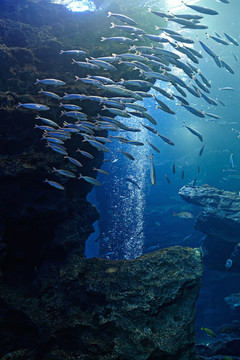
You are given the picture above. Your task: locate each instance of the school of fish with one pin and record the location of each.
(155, 59)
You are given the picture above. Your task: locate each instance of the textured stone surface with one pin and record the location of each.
(221, 211)
(220, 221)
(102, 309)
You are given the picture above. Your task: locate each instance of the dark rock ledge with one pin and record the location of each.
(220, 221)
(103, 309)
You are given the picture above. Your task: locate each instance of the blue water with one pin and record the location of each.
(137, 221)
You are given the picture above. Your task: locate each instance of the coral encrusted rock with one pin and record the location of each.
(106, 309)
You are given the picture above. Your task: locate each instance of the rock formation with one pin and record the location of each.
(55, 304)
(102, 309)
(219, 220)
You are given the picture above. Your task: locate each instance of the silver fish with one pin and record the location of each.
(90, 180)
(54, 184)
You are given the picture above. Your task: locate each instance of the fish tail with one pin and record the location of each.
(36, 82)
(109, 14)
(18, 105)
(103, 38)
(174, 214)
(112, 25)
(61, 52)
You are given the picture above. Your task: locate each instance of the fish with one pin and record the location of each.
(152, 171)
(85, 153)
(54, 184)
(111, 270)
(208, 331)
(227, 88)
(118, 39)
(194, 111)
(74, 161)
(218, 39)
(198, 169)
(72, 52)
(154, 147)
(131, 29)
(156, 38)
(207, 49)
(184, 215)
(182, 174)
(174, 168)
(132, 181)
(182, 100)
(54, 82)
(227, 67)
(231, 163)
(70, 107)
(228, 264)
(58, 149)
(122, 18)
(64, 172)
(201, 150)
(134, 142)
(161, 14)
(47, 121)
(231, 39)
(86, 65)
(150, 118)
(33, 106)
(165, 93)
(52, 140)
(167, 140)
(150, 128)
(50, 94)
(167, 178)
(101, 171)
(194, 132)
(90, 180)
(98, 145)
(201, 9)
(129, 156)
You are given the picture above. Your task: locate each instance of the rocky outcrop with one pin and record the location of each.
(220, 221)
(103, 309)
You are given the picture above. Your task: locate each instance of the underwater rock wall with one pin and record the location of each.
(55, 304)
(38, 224)
(220, 221)
(105, 309)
